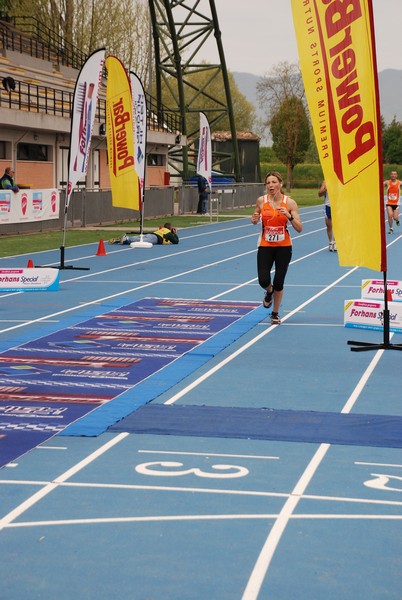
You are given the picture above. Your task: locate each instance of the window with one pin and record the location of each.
(35, 152)
(156, 160)
(5, 150)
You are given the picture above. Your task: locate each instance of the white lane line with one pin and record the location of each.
(180, 518)
(250, 343)
(136, 288)
(262, 565)
(212, 491)
(150, 519)
(187, 251)
(123, 293)
(363, 380)
(29, 502)
(252, 456)
(374, 464)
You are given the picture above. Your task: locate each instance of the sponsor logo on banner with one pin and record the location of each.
(353, 119)
(29, 280)
(24, 203)
(37, 201)
(370, 315)
(374, 289)
(5, 202)
(122, 134)
(53, 201)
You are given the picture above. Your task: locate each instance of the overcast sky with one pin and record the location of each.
(258, 34)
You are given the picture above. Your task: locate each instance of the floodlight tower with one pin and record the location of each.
(180, 29)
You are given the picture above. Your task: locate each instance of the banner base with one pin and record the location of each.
(141, 245)
(62, 266)
(361, 346)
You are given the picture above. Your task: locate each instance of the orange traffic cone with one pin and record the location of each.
(101, 248)
(30, 264)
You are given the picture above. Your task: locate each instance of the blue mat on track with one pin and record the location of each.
(265, 424)
(85, 377)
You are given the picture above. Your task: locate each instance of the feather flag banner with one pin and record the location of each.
(124, 180)
(84, 109)
(338, 62)
(204, 160)
(140, 130)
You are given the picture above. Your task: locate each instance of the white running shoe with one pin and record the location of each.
(275, 319)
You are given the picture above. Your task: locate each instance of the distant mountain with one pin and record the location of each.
(389, 81)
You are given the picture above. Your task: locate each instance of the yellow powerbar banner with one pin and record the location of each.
(124, 180)
(338, 63)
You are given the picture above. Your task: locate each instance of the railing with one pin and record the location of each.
(41, 99)
(37, 40)
(40, 42)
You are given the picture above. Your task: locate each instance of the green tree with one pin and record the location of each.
(89, 25)
(392, 142)
(281, 95)
(290, 130)
(267, 154)
(5, 7)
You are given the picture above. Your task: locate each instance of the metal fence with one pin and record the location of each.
(233, 197)
(93, 208)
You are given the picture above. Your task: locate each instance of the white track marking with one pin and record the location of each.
(19, 510)
(136, 288)
(212, 517)
(252, 456)
(262, 565)
(248, 345)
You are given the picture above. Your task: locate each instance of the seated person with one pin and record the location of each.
(7, 181)
(164, 235)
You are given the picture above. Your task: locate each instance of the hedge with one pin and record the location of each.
(310, 175)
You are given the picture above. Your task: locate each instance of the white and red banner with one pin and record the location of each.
(84, 109)
(29, 205)
(338, 62)
(204, 160)
(140, 129)
(124, 180)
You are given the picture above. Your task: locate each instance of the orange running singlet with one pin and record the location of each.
(393, 192)
(274, 225)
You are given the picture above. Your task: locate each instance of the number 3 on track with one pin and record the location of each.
(173, 469)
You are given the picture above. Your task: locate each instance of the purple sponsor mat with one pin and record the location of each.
(49, 383)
